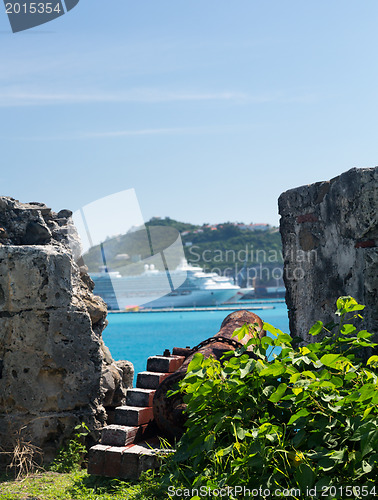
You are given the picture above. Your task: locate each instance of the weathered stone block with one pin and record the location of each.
(118, 435)
(133, 415)
(140, 397)
(150, 380)
(34, 277)
(48, 366)
(329, 233)
(96, 459)
(112, 461)
(125, 462)
(129, 464)
(54, 368)
(139, 458)
(164, 364)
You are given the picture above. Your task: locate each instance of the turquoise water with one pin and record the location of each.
(135, 336)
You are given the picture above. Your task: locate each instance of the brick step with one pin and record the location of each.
(121, 451)
(121, 435)
(139, 397)
(150, 380)
(125, 462)
(164, 364)
(133, 415)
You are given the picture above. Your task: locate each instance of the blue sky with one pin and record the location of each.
(209, 109)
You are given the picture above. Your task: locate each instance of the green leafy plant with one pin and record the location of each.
(71, 456)
(306, 421)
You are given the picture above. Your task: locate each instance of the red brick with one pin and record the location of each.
(137, 459)
(118, 435)
(164, 364)
(150, 380)
(175, 363)
(126, 462)
(140, 397)
(133, 415)
(129, 465)
(113, 457)
(96, 459)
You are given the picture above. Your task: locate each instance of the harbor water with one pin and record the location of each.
(135, 335)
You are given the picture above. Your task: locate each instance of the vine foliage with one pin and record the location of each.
(307, 419)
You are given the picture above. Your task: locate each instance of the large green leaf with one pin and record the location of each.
(317, 328)
(373, 361)
(266, 341)
(367, 435)
(275, 369)
(301, 413)
(284, 338)
(242, 332)
(305, 476)
(337, 381)
(326, 463)
(247, 368)
(330, 360)
(347, 304)
(364, 334)
(347, 329)
(277, 395)
(367, 391)
(299, 438)
(271, 329)
(240, 432)
(196, 362)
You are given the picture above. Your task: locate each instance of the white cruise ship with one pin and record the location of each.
(155, 289)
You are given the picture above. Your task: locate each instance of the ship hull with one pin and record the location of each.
(187, 286)
(118, 297)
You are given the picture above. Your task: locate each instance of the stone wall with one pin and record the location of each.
(330, 235)
(55, 370)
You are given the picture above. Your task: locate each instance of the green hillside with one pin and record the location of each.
(222, 248)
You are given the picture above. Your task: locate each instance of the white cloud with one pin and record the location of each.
(26, 97)
(156, 131)
(125, 133)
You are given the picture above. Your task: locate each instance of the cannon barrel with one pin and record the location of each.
(169, 412)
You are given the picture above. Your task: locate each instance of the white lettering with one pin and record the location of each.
(218, 256)
(277, 273)
(204, 491)
(194, 253)
(243, 254)
(258, 255)
(232, 252)
(203, 256)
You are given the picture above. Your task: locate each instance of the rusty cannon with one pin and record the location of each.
(169, 412)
